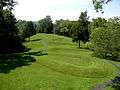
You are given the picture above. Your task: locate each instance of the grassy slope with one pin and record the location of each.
(64, 68)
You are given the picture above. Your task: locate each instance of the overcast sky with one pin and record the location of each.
(61, 9)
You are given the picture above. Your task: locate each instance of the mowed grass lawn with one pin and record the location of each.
(65, 67)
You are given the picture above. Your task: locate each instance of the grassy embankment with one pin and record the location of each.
(64, 68)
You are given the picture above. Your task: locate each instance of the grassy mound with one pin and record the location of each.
(64, 67)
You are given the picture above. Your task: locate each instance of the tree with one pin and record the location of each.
(106, 40)
(63, 27)
(30, 29)
(37, 27)
(7, 3)
(22, 28)
(10, 41)
(45, 25)
(84, 23)
(75, 34)
(9, 33)
(25, 29)
(98, 4)
(96, 23)
(81, 28)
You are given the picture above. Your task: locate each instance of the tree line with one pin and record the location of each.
(100, 35)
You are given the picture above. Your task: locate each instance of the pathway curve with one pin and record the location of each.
(111, 82)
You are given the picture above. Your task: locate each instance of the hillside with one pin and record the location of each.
(54, 63)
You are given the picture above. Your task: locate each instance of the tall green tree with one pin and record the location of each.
(10, 42)
(9, 4)
(30, 29)
(22, 28)
(84, 23)
(75, 32)
(82, 31)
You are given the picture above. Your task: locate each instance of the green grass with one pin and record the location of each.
(65, 67)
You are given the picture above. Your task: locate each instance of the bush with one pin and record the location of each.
(106, 42)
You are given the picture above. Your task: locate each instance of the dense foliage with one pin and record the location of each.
(8, 31)
(25, 29)
(78, 30)
(45, 25)
(63, 27)
(82, 30)
(106, 39)
(96, 23)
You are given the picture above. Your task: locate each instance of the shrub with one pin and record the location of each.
(106, 42)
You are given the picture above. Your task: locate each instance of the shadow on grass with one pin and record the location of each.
(116, 83)
(10, 62)
(34, 40)
(38, 53)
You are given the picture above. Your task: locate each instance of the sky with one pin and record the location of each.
(34, 10)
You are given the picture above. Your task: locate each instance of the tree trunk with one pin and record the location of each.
(79, 43)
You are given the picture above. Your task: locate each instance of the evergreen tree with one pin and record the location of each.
(10, 42)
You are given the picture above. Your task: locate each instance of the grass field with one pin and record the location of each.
(63, 67)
